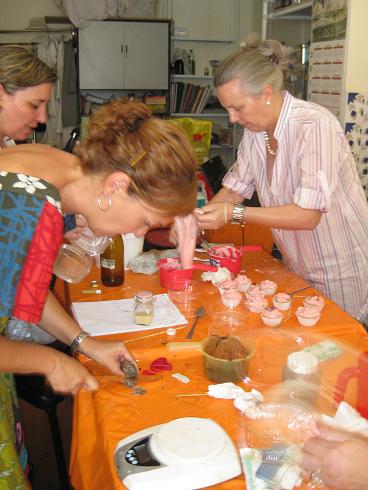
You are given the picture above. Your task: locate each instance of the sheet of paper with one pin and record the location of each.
(107, 317)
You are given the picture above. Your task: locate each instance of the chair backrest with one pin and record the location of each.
(249, 234)
(254, 234)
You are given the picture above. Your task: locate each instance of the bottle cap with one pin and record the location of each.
(143, 296)
(302, 362)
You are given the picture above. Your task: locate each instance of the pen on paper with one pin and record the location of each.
(91, 291)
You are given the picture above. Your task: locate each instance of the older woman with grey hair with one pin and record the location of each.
(294, 154)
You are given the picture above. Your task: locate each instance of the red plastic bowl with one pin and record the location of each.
(231, 263)
(173, 278)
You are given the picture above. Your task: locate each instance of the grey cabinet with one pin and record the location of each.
(124, 55)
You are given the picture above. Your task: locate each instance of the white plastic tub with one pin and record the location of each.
(133, 246)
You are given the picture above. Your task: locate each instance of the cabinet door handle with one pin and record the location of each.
(122, 48)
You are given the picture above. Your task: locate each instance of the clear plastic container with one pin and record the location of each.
(91, 244)
(270, 441)
(143, 307)
(303, 377)
(187, 296)
(71, 264)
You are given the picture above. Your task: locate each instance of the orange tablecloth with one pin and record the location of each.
(103, 418)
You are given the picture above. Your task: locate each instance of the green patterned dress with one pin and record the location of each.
(13, 455)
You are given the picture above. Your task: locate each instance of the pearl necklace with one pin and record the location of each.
(268, 146)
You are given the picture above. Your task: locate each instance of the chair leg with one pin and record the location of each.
(58, 447)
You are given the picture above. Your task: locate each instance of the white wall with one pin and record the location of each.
(250, 17)
(356, 79)
(15, 14)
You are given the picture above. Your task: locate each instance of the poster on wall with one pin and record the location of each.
(326, 72)
(327, 54)
(329, 20)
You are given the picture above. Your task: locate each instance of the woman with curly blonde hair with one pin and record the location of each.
(132, 172)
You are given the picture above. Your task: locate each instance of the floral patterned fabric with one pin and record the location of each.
(31, 230)
(13, 454)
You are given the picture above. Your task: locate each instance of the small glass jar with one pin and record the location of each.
(143, 307)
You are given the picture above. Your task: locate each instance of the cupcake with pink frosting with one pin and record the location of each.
(315, 302)
(308, 315)
(256, 304)
(231, 298)
(271, 316)
(282, 301)
(227, 285)
(243, 282)
(254, 290)
(268, 287)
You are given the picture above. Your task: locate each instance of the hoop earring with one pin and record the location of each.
(104, 202)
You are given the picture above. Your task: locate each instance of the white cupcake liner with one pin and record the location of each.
(271, 322)
(307, 322)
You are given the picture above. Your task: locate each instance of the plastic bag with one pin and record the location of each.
(27, 332)
(146, 263)
(199, 135)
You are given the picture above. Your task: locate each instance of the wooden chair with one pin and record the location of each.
(249, 234)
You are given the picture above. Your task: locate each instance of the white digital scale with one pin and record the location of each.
(183, 454)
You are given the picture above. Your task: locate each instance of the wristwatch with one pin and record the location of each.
(74, 346)
(239, 214)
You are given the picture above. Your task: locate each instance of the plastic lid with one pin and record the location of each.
(90, 243)
(302, 362)
(143, 296)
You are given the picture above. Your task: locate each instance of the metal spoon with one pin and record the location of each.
(198, 314)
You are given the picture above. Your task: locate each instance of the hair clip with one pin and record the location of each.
(138, 157)
(274, 59)
(131, 126)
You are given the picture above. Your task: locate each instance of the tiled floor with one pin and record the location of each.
(44, 474)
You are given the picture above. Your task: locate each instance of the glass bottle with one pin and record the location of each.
(143, 307)
(191, 62)
(179, 67)
(112, 262)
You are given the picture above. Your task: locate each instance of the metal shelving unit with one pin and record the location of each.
(298, 11)
(198, 40)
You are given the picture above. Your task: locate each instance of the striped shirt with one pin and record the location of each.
(313, 169)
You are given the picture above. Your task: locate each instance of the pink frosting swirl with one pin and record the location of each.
(314, 301)
(257, 302)
(228, 284)
(254, 290)
(268, 286)
(232, 294)
(282, 298)
(271, 312)
(308, 312)
(241, 279)
(225, 251)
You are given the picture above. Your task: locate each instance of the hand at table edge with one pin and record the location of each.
(108, 353)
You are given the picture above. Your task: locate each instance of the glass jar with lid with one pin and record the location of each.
(143, 307)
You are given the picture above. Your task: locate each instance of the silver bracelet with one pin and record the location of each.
(74, 346)
(239, 214)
